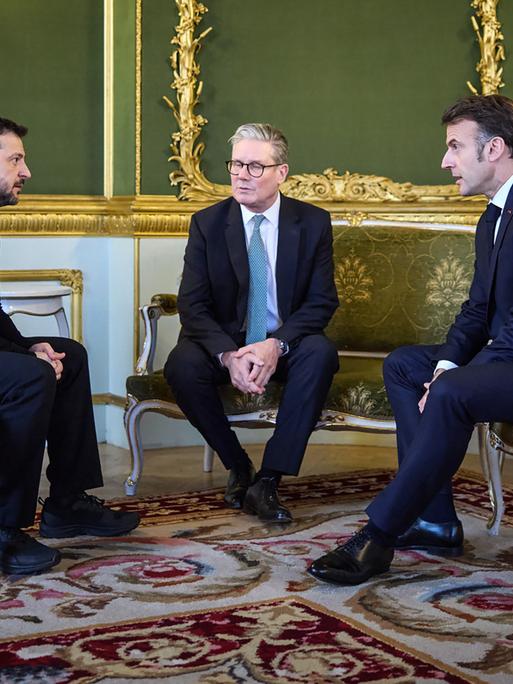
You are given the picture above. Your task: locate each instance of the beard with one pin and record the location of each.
(7, 197)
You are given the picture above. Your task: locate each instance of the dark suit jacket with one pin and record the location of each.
(11, 339)
(488, 312)
(212, 300)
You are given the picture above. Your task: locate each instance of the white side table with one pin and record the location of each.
(37, 301)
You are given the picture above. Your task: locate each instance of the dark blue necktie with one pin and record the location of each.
(256, 324)
(491, 215)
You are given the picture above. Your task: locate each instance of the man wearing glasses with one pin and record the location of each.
(256, 294)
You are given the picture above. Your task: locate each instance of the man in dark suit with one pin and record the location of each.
(439, 393)
(256, 294)
(45, 395)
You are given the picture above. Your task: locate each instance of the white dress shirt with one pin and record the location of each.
(499, 199)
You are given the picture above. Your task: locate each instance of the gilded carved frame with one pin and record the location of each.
(65, 276)
(329, 186)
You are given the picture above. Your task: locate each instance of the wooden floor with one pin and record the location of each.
(181, 469)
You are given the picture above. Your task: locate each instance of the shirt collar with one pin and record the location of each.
(500, 197)
(271, 214)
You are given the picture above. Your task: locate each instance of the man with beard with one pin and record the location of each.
(45, 396)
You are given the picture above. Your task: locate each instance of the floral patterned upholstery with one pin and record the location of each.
(398, 285)
(357, 388)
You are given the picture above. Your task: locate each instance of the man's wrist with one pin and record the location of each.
(224, 358)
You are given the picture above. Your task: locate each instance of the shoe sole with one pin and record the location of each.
(28, 569)
(234, 505)
(251, 511)
(434, 550)
(62, 532)
(347, 582)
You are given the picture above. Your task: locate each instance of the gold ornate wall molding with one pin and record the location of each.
(144, 215)
(166, 216)
(328, 186)
(488, 31)
(70, 277)
(357, 187)
(109, 399)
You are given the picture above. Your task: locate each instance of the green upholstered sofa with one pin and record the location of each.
(397, 284)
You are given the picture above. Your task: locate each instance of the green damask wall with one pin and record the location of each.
(51, 53)
(355, 85)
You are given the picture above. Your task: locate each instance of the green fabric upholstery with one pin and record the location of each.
(398, 285)
(357, 389)
(504, 432)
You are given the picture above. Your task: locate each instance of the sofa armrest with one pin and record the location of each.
(167, 302)
(161, 305)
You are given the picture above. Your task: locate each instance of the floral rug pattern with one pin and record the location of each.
(203, 594)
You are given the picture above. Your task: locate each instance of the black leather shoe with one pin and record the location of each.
(237, 486)
(86, 514)
(20, 554)
(438, 539)
(262, 500)
(354, 562)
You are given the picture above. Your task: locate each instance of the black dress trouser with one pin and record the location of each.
(34, 408)
(432, 445)
(307, 372)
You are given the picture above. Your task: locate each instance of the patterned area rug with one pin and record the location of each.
(202, 594)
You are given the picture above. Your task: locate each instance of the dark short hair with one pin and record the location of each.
(493, 115)
(8, 126)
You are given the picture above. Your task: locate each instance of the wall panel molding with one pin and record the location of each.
(187, 148)
(166, 216)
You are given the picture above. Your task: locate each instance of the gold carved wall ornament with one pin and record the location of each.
(357, 187)
(330, 186)
(185, 150)
(489, 37)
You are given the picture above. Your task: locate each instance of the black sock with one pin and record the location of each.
(62, 500)
(242, 464)
(269, 472)
(379, 536)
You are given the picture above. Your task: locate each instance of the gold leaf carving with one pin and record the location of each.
(314, 187)
(489, 37)
(357, 187)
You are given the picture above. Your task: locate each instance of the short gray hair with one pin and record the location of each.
(266, 133)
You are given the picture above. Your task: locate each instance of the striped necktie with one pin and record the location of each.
(256, 322)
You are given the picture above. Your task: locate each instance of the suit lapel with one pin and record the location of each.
(289, 232)
(238, 254)
(505, 222)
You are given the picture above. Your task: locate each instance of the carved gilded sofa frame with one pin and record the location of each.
(398, 285)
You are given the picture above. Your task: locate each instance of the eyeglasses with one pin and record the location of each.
(255, 169)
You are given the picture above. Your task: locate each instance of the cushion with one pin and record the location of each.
(357, 388)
